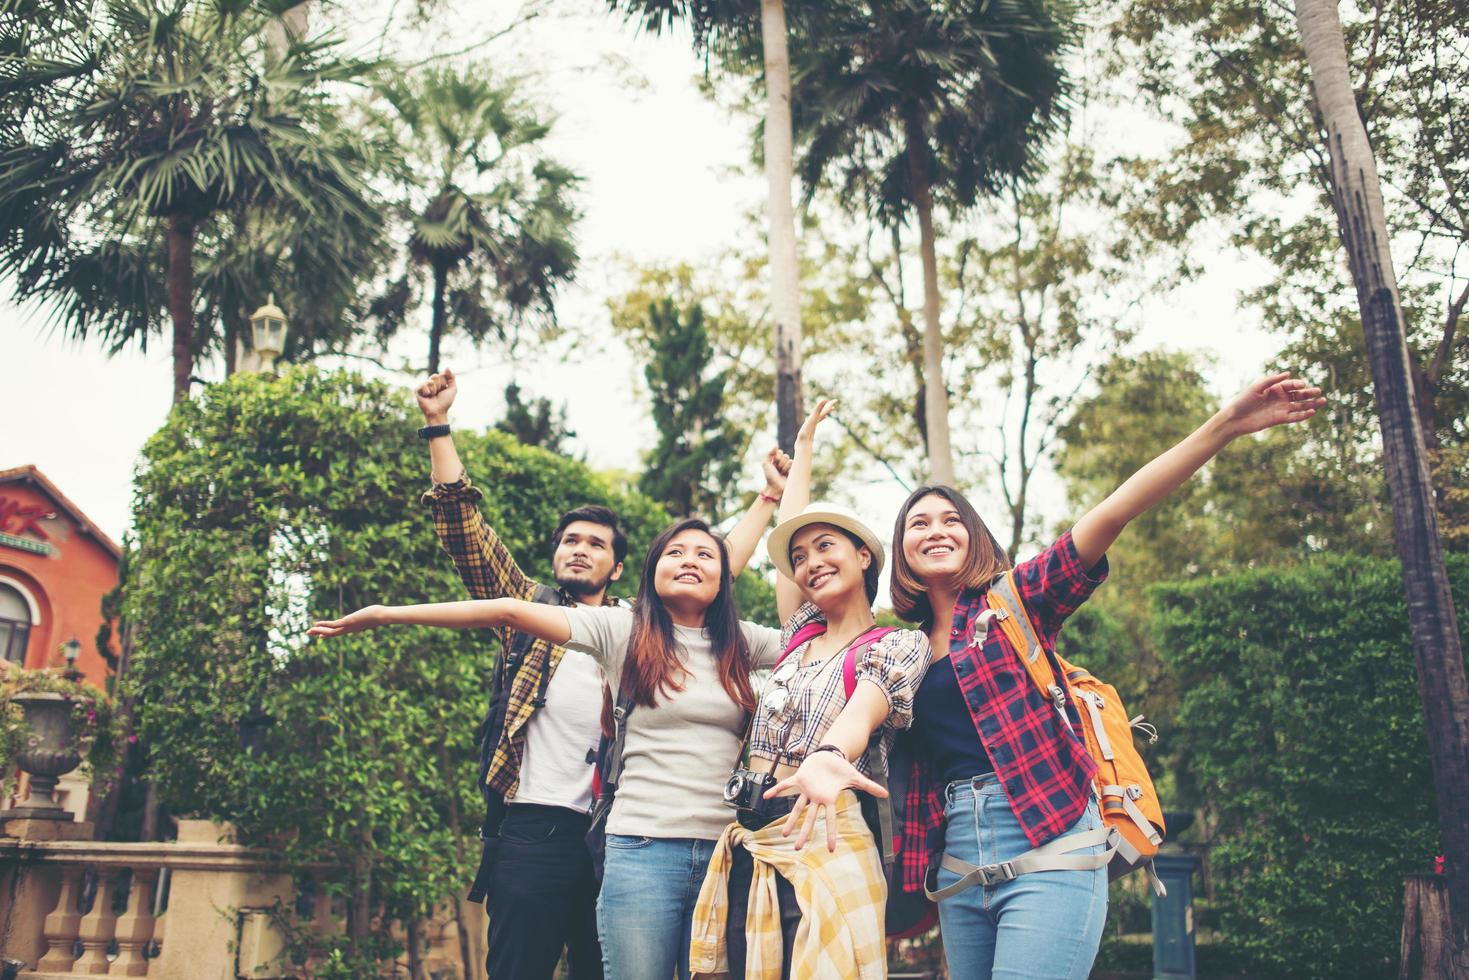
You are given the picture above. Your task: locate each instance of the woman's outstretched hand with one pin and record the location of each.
(365, 618)
(1276, 400)
(823, 408)
(819, 779)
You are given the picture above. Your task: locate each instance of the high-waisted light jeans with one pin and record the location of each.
(646, 909)
(1045, 925)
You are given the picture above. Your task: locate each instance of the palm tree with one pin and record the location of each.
(482, 189)
(1356, 197)
(738, 20)
(136, 129)
(908, 105)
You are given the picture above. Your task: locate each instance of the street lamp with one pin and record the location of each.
(71, 650)
(268, 333)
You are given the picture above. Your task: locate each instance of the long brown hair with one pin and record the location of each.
(654, 664)
(985, 560)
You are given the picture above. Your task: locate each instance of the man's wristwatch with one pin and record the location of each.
(433, 431)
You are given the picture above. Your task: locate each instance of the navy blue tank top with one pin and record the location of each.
(943, 729)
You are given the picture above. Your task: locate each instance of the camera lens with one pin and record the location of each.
(733, 787)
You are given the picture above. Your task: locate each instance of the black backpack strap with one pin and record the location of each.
(487, 736)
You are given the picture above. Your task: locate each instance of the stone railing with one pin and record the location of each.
(198, 908)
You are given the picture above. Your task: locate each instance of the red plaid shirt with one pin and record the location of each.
(1046, 771)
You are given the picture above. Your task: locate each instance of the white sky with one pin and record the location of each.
(659, 164)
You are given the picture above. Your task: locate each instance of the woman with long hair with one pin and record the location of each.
(841, 692)
(682, 657)
(997, 775)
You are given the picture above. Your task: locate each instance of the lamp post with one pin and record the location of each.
(268, 333)
(71, 649)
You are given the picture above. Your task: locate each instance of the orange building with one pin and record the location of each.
(55, 567)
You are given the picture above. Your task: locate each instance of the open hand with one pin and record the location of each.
(823, 408)
(1276, 400)
(365, 618)
(819, 780)
(436, 395)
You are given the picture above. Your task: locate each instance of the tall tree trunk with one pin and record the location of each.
(1436, 647)
(181, 301)
(936, 393)
(436, 329)
(785, 285)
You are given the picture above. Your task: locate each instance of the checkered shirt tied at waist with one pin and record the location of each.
(816, 693)
(1044, 769)
(489, 572)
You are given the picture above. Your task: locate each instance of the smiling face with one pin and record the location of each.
(584, 561)
(688, 570)
(827, 564)
(935, 540)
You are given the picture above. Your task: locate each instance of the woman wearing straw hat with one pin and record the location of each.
(840, 692)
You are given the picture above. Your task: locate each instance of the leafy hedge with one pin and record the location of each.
(1300, 723)
(270, 501)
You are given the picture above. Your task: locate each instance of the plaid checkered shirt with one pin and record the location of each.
(489, 572)
(1045, 770)
(842, 895)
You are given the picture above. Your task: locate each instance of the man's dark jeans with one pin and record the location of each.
(543, 896)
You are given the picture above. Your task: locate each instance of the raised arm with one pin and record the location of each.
(745, 536)
(796, 497)
(538, 619)
(1276, 400)
(485, 565)
(435, 396)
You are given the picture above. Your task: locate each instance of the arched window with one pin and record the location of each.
(15, 624)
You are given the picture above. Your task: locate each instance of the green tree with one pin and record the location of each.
(272, 501)
(907, 107)
(138, 130)
(1357, 200)
(492, 216)
(697, 457)
(534, 422)
(728, 28)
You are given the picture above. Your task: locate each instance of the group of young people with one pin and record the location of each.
(740, 840)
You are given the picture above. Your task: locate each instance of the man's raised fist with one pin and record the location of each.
(436, 395)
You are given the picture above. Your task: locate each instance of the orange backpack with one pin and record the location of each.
(1128, 800)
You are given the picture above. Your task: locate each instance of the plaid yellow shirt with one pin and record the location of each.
(842, 894)
(489, 572)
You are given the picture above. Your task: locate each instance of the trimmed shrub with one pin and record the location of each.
(1300, 723)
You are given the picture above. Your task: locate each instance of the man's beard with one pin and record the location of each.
(580, 586)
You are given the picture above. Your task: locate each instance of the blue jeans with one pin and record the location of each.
(645, 912)
(1046, 924)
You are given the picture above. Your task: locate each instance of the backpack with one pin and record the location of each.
(487, 737)
(907, 914)
(1132, 816)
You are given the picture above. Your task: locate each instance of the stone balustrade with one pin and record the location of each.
(71, 907)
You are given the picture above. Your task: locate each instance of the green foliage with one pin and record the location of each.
(131, 121)
(490, 229)
(1301, 724)
(534, 422)
(694, 464)
(270, 502)
(1251, 158)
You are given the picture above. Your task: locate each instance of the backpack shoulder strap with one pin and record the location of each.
(849, 659)
(1009, 610)
(810, 631)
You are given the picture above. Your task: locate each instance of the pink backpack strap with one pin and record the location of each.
(849, 663)
(810, 631)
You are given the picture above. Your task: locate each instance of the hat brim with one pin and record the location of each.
(778, 545)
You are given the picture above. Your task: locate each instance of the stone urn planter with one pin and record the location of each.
(50, 752)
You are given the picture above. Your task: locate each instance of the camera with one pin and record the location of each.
(746, 790)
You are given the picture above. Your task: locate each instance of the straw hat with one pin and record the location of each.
(778, 545)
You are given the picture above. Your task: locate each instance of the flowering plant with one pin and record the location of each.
(94, 724)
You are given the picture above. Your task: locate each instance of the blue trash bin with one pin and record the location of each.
(1173, 918)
